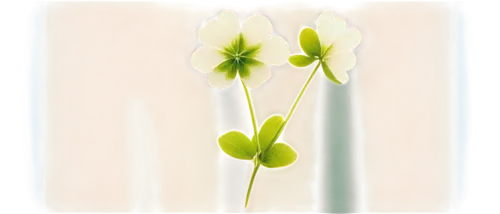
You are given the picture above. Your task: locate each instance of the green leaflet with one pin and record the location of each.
(301, 60)
(237, 145)
(309, 41)
(279, 155)
(268, 130)
(328, 73)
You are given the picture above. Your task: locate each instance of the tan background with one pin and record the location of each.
(131, 126)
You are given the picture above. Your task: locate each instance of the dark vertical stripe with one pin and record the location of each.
(143, 159)
(338, 179)
(231, 105)
(33, 105)
(463, 105)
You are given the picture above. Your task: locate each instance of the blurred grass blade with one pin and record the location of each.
(339, 180)
(233, 114)
(142, 153)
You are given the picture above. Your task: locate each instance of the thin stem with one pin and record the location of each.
(289, 115)
(255, 169)
(257, 157)
(252, 114)
(300, 95)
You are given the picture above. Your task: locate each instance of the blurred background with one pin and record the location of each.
(102, 111)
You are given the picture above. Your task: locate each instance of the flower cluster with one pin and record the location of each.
(248, 51)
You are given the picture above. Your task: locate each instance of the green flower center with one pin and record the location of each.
(239, 58)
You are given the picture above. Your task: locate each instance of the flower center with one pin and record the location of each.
(239, 48)
(239, 58)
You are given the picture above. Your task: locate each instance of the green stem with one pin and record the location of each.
(289, 115)
(252, 114)
(255, 129)
(255, 169)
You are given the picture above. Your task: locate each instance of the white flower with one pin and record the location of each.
(229, 50)
(336, 44)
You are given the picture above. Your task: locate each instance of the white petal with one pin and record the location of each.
(258, 75)
(206, 58)
(274, 51)
(219, 80)
(341, 61)
(205, 34)
(347, 41)
(220, 32)
(256, 28)
(329, 27)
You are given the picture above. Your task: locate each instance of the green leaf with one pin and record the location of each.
(309, 41)
(237, 145)
(301, 60)
(279, 155)
(329, 73)
(268, 130)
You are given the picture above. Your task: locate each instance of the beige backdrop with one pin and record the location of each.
(131, 126)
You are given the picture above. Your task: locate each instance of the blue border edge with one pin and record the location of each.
(32, 105)
(463, 105)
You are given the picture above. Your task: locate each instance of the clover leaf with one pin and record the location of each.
(268, 130)
(309, 41)
(279, 155)
(237, 145)
(329, 74)
(301, 60)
